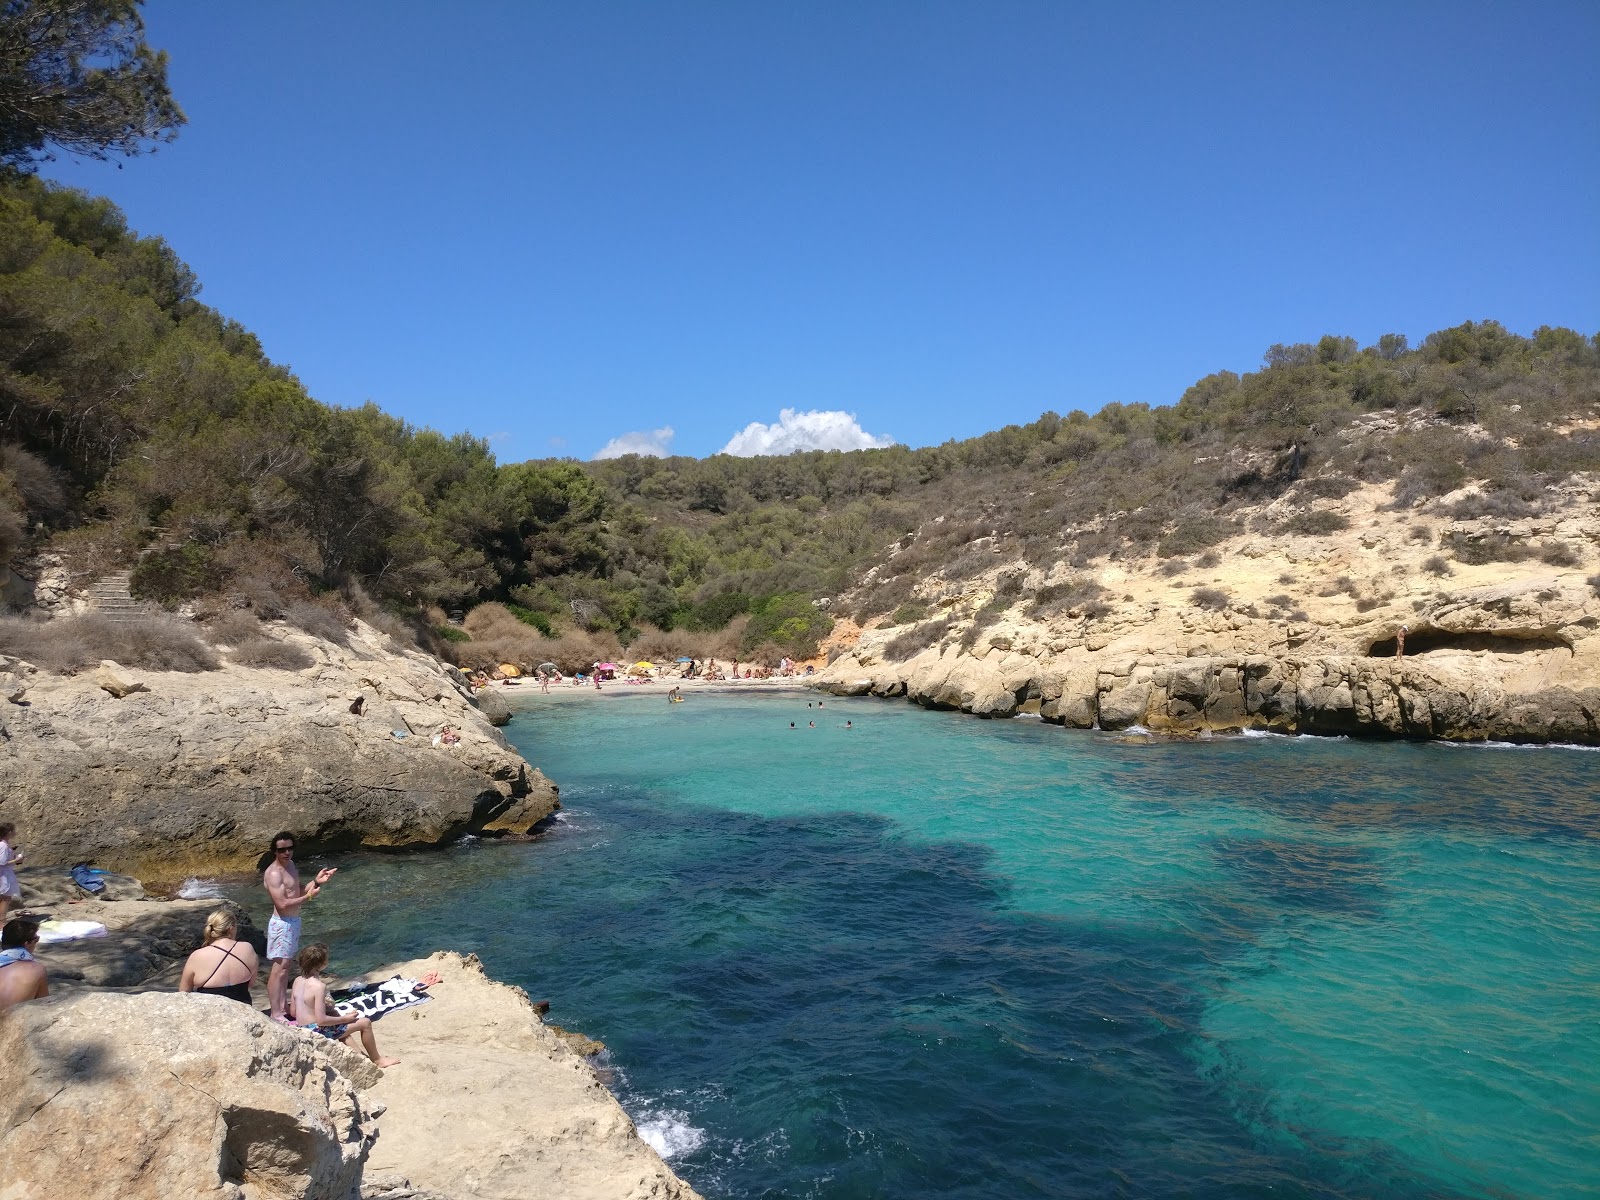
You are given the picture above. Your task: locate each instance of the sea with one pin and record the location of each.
(852, 948)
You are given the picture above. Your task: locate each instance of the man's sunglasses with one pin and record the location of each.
(283, 849)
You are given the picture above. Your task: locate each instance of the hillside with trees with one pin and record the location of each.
(143, 431)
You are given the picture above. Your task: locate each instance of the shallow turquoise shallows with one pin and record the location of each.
(937, 956)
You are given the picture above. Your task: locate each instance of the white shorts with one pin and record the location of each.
(283, 936)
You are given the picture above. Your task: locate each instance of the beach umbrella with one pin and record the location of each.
(685, 660)
(548, 666)
(510, 670)
(641, 665)
(607, 666)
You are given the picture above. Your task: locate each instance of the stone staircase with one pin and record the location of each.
(112, 600)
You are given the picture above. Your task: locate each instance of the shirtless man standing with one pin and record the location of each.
(282, 882)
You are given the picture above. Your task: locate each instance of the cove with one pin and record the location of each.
(938, 956)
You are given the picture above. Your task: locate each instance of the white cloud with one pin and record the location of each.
(804, 431)
(656, 443)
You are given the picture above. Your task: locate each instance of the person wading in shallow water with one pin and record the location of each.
(282, 881)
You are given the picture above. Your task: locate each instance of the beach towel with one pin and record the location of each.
(69, 931)
(373, 1000)
(88, 879)
(15, 955)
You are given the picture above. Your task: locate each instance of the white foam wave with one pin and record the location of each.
(1519, 746)
(669, 1133)
(200, 889)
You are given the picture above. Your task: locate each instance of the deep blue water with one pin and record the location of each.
(937, 956)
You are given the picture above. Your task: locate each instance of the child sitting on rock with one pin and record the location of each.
(309, 1006)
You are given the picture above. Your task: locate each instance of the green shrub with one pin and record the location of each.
(1212, 599)
(1193, 534)
(788, 620)
(714, 613)
(1491, 547)
(325, 620)
(914, 641)
(528, 616)
(1060, 597)
(1317, 522)
(453, 633)
(907, 614)
(174, 574)
(67, 645)
(1559, 554)
(272, 654)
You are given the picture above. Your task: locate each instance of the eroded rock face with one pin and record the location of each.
(1515, 661)
(107, 1096)
(194, 773)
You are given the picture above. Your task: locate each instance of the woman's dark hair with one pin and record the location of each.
(278, 837)
(312, 959)
(18, 933)
(6, 829)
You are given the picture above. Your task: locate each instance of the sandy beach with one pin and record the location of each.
(529, 689)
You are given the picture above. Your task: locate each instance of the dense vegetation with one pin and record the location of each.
(141, 430)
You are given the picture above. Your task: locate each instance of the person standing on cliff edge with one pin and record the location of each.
(282, 881)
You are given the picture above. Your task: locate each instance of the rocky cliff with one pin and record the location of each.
(163, 774)
(1298, 633)
(153, 1096)
(109, 1096)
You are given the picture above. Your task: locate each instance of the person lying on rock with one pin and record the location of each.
(223, 966)
(22, 976)
(310, 1001)
(282, 881)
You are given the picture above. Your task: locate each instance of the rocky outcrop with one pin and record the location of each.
(158, 1095)
(1517, 660)
(489, 1102)
(108, 1096)
(166, 774)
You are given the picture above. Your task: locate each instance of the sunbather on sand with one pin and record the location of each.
(310, 1005)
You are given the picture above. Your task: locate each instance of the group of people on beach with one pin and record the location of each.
(225, 964)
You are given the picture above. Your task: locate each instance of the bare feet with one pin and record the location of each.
(430, 979)
(388, 1062)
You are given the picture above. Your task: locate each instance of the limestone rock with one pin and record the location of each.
(112, 679)
(490, 1102)
(493, 707)
(1306, 643)
(196, 774)
(106, 1096)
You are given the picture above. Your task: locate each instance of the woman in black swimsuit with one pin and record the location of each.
(224, 966)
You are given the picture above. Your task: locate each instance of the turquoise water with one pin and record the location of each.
(936, 956)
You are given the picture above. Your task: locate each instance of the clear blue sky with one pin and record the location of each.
(558, 223)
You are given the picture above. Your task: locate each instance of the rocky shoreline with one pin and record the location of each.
(168, 774)
(1516, 661)
(164, 1094)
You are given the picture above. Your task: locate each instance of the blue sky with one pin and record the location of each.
(555, 224)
